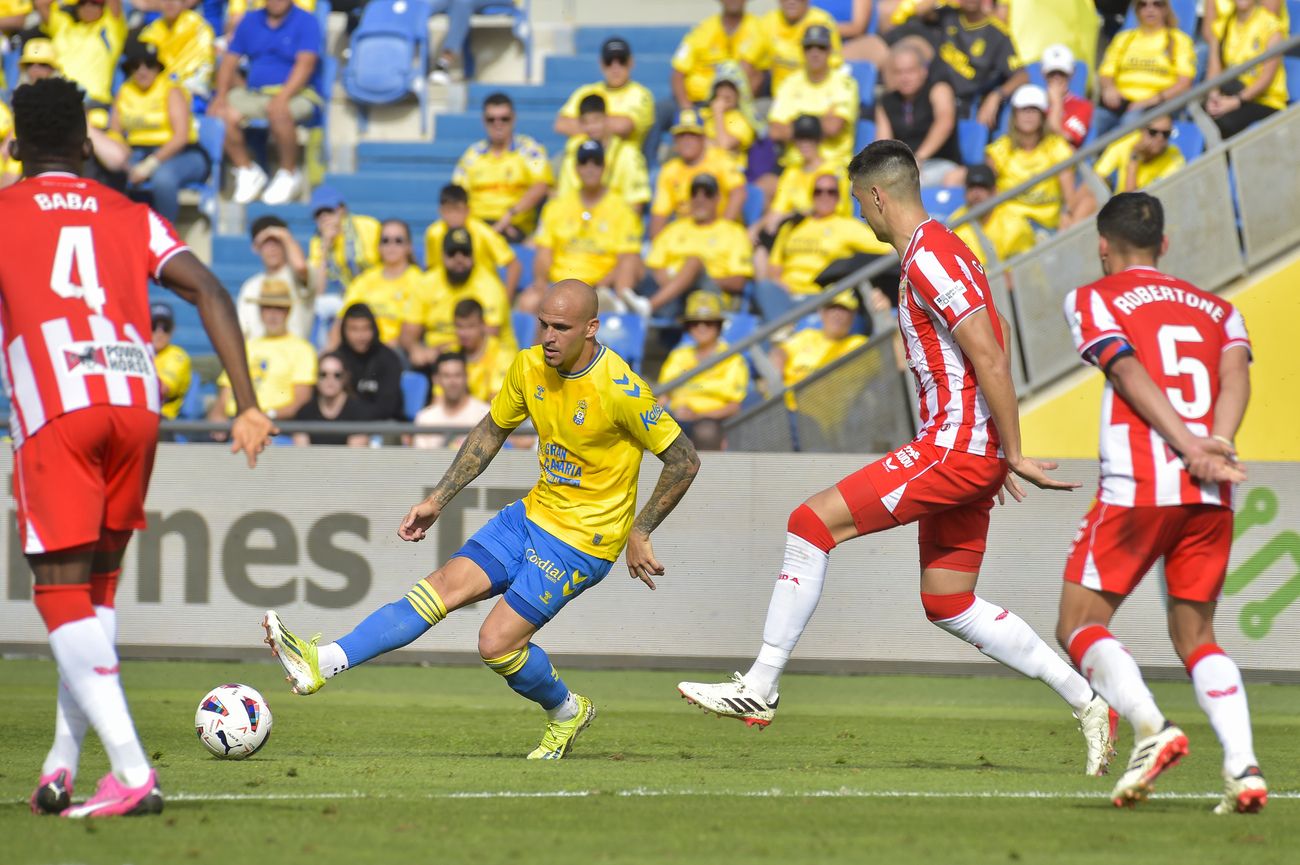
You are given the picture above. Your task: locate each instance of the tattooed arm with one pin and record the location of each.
(482, 444)
(681, 464)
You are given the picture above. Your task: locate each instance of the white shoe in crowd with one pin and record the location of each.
(285, 186)
(249, 183)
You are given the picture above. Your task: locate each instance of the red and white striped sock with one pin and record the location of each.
(1222, 696)
(1115, 675)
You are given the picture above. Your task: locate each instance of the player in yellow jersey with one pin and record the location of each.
(593, 417)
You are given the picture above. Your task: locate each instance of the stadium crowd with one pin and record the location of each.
(711, 210)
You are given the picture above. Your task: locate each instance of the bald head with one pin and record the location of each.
(567, 324)
(571, 298)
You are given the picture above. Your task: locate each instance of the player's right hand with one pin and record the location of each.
(1036, 472)
(1210, 460)
(418, 521)
(251, 432)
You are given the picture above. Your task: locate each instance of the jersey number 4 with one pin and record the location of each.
(1170, 337)
(75, 275)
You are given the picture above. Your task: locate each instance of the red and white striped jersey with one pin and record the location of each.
(1178, 333)
(943, 284)
(75, 259)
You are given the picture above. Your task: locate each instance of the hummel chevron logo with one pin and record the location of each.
(634, 391)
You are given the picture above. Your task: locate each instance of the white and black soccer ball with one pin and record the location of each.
(233, 721)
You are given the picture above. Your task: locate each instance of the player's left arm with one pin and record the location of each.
(681, 465)
(1234, 393)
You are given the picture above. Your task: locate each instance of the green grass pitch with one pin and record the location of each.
(405, 764)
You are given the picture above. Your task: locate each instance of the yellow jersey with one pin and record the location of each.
(8, 165)
(783, 43)
(88, 53)
(709, 44)
(722, 245)
(803, 251)
(1014, 165)
(496, 181)
(585, 243)
(1143, 64)
(1115, 159)
(632, 100)
(738, 128)
(625, 172)
(276, 364)
(143, 114)
(185, 49)
(808, 351)
(174, 373)
(794, 189)
(488, 247)
(435, 308)
(592, 427)
(837, 95)
(354, 250)
(387, 298)
(719, 387)
(1245, 40)
(1223, 10)
(488, 372)
(673, 188)
(1006, 228)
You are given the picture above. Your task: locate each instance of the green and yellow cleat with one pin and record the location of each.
(296, 656)
(557, 741)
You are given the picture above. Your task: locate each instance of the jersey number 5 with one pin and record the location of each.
(1170, 337)
(75, 275)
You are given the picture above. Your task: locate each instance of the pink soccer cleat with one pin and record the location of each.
(113, 799)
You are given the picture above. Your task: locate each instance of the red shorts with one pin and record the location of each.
(1115, 547)
(949, 492)
(83, 473)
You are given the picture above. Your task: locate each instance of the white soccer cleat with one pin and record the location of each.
(1151, 756)
(1245, 794)
(249, 183)
(1098, 722)
(734, 699)
(285, 186)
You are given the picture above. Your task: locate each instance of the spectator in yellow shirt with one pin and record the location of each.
(489, 247)
(733, 35)
(812, 348)
(631, 106)
(794, 189)
(13, 14)
(506, 175)
(1006, 227)
(174, 367)
(185, 46)
(487, 358)
(1143, 67)
(717, 393)
(728, 119)
(88, 40)
(784, 29)
(625, 171)
(816, 89)
(702, 253)
(428, 325)
(1140, 158)
(1250, 30)
(694, 157)
(282, 365)
(345, 244)
(388, 287)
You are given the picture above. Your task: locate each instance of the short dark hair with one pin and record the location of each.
(592, 103)
(1133, 220)
(453, 194)
(50, 118)
(498, 98)
(467, 307)
(887, 163)
(264, 222)
(448, 357)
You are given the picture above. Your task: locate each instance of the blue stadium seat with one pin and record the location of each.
(525, 254)
(624, 334)
(842, 12)
(643, 40)
(739, 326)
(865, 74)
(972, 137)
(753, 210)
(403, 156)
(1185, 10)
(384, 190)
(212, 138)
(415, 391)
(1292, 67)
(467, 126)
(811, 321)
(524, 325)
(390, 53)
(1187, 137)
(865, 134)
(650, 70)
(941, 201)
(526, 97)
(11, 69)
(1078, 81)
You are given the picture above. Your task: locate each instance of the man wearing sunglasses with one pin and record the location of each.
(506, 175)
(630, 106)
(817, 90)
(695, 156)
(1140, 158)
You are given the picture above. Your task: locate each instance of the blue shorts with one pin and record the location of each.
(537, 572)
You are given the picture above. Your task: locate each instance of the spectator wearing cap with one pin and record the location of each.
(458, 14)
(1069, 116)
(281, 45)
(284, 270)
(152, 113)
(489, 247)
(39, 59)
(921, 112)
(1140, 158)
(487, 358)
(630, 106)
(729, 122)
(388, 286)
(1143, 67)
(185, 46)
(345, 244)
(716, 393)
(1029, 149)
(812, 348)
(88, 38)
(695, 156)
(794, 188)
(625, 171)
(1008, 231)
(733, 35)
(452, 405)
(333, 400)
(428, 322)
(700, 253)
(173, 363)
(784, 30)
(506, 175)
(805, 248)
(816, 89)
(1248, 31)
(282, 364)
(591, 234)
(374, 369)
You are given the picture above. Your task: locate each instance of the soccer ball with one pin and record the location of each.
(233, 721)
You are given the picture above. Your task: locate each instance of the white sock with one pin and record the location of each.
(1115, 675)
(1007, 639)
(566, 711)
(798, 589)
(1222, 696)
(88, 664)
(70, 723)
(333, 660)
